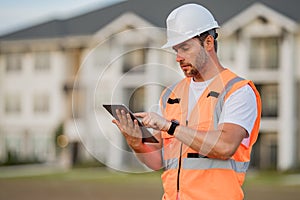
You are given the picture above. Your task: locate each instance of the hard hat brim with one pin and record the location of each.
(184, 37)
(176, 42)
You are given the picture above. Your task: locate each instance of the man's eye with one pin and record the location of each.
(185, 48)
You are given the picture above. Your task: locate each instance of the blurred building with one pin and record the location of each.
(60, 73)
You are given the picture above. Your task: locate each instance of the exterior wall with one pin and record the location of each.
(298, 122)
(28, 133)
(278, 134)
(297, 67)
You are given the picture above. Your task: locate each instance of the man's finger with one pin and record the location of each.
(115, 121)
(140, 114)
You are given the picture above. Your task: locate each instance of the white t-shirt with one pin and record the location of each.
(239, 108)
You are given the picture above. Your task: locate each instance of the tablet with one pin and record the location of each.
(147, 137)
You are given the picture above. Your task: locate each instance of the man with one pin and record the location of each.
(209, 121)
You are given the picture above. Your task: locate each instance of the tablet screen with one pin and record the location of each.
(147, 136)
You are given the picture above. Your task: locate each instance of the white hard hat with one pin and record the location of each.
(187, 21)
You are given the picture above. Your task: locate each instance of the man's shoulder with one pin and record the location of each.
(243, 93)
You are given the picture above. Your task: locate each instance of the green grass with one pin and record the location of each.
(93, 183)
(96, 174)
(101, 174)
(271, 178)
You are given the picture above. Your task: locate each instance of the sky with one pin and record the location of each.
(18, 14)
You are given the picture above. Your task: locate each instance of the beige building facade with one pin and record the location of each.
(63, 78)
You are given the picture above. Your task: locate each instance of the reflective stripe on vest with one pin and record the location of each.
(204, 163)
(221, 97)
(170, 163)
(167, 94)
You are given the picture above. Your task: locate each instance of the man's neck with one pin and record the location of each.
(209, 71)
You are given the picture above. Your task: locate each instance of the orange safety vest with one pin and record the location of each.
(196, 177)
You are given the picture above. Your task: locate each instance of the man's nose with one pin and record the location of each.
(179, 58)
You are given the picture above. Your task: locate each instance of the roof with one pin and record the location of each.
(154, 11)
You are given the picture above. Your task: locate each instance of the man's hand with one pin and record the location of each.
(154, 121)
(150, 155)
(130, 129)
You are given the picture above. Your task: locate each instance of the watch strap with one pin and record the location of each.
(174, 124)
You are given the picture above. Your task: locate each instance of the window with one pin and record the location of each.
(265, 152)
(135, 98)
(269, 98)
(134, 58)
(12, 104)
(41, 103)
(42, 61)
(13, 62)
(264, 53)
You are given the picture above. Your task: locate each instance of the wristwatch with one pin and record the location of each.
(173, 126)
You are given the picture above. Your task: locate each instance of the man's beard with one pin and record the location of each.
(192, 72)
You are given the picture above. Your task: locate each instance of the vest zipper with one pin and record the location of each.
(179, 167)
(179, 164)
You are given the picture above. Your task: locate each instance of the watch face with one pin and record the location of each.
(175, 121)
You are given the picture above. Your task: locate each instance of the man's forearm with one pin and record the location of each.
(220, 143)
(150, 155)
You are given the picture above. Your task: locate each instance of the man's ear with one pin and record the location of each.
(209, 43)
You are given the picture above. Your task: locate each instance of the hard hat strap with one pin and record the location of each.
(213, 33)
